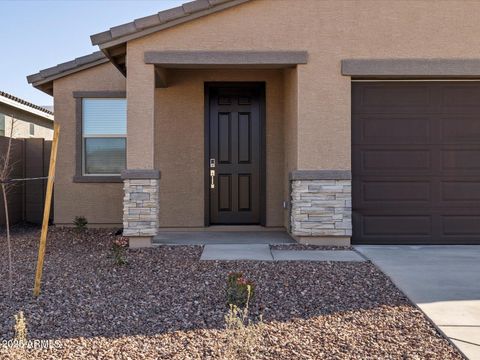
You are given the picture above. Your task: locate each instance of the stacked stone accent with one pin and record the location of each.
(321, 208)
(140, 206)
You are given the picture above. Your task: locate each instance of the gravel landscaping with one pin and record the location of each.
(308, 247)
(166, 304)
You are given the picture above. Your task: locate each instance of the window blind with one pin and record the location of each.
(104, 117)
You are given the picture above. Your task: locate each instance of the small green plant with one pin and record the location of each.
(20, 328)
(119, 249)
(80, 223)
(239, 289)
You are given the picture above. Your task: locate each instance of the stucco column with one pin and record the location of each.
(320, 184)
(141, 179)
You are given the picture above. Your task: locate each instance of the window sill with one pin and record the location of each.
(97, 179)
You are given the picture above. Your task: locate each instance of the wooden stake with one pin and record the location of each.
(46, 210)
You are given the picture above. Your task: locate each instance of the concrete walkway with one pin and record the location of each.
(262, 252)
(444, 281)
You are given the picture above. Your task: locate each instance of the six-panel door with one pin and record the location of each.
(235, 148)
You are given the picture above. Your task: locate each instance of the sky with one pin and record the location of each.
(38, 34)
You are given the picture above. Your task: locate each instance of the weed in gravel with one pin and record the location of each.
(242, 334)
(80, 223)
(119, 249)
(237, 289)
(20, 327)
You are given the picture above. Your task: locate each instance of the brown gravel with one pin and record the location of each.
(166, 304)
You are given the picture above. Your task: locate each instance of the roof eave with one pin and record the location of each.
(105, 40)
(45, 84)
(27, 108)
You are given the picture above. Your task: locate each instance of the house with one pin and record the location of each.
(26, 128)
(277, 114)
(28, 120)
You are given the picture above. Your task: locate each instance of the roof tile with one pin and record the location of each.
(194, 6)
(147, 21)
(86, 59)
(101, 37)
(217, 2)
(162, 17)
(34, 77)
(123, 29)
(66, 66)
(49, 71)
(171, 14)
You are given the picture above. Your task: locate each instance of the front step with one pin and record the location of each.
(222, 237)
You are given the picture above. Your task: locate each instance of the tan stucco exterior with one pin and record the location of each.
(330, 31)
(99, 203)
(308, 107)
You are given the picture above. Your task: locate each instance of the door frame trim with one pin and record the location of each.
(261, 88)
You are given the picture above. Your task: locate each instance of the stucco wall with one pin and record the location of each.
(179, 143)
(290, 114)
(317, 97)
(330, 31)
(99, 203)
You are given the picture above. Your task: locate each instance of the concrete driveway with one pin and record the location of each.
(444, 281)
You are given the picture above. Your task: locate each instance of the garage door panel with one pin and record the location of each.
(457, 129)
(394, 161)
(460, 98)
(388, 225)
(407, 193)
(460, 161)
(393, 129)
(460, 191)
(460, 225)
(403, 99)
(416, 163)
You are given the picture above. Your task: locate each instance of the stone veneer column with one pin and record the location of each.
(140, 206)
(321, 207)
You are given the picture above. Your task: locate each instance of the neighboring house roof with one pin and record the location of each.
(44, 78)
(13, 101)
(113, 41)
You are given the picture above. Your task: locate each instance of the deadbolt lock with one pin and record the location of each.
(212, 163)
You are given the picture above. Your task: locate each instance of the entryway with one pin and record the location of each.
(235, 153)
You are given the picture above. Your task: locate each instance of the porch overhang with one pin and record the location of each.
(221, 60)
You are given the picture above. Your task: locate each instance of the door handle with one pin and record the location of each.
(212, 179)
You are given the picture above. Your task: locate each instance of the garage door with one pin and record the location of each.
(416, 162)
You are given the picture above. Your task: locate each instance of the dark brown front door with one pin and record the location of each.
(416, 162)
(234, 153)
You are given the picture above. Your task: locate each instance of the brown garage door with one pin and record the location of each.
(416, 162)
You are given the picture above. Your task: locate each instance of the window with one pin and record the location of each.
(104, 129)
(32, 129)
(2, 124)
